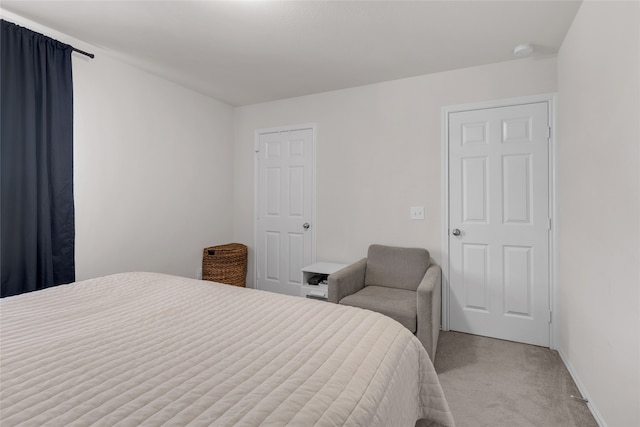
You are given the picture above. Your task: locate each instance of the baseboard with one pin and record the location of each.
(583, 391)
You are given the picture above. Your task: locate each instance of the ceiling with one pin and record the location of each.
(245, 52)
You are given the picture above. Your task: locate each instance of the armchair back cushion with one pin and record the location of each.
(391, 267)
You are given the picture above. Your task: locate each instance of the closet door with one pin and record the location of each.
(285, 204)
(499, 222)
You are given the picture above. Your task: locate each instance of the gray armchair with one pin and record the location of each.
(401, 283)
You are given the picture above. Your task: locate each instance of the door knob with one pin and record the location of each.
(306, 225)
(455, 232)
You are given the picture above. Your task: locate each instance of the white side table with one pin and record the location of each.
(320, 291)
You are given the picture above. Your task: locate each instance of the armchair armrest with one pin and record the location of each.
(347, 281)
(429, 309)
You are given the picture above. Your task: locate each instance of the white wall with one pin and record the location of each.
(378, 153)
(599, 207)
(152, 168)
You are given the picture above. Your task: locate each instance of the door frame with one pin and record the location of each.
(256, 187)
(550, 99)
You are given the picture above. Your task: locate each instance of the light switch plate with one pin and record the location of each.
(416, 212)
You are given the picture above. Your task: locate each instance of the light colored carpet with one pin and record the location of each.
(490, 382)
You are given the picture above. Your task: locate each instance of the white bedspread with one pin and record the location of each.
(149, 349)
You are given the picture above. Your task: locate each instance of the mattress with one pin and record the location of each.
(150, 349)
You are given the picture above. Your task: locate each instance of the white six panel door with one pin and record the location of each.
(499, 222)
(284, 242)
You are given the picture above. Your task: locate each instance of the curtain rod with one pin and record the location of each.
(82, 52)
(90, 55)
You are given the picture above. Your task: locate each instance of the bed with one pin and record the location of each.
(151, 349)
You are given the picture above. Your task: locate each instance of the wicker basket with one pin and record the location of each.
(225, 264)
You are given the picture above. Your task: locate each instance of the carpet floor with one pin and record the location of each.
(490, 382)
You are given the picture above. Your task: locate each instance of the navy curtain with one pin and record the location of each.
(36, 161)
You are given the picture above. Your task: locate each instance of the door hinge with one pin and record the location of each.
(549, 132)
(550, 316)
(549, 224)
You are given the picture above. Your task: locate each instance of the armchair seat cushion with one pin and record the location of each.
(399, 304)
